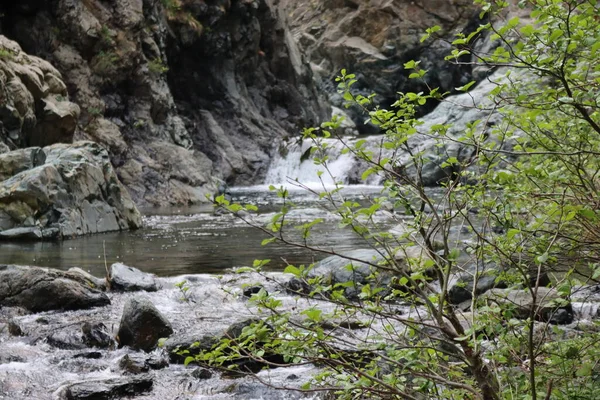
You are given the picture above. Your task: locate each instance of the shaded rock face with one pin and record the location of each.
(39, 289)
(180, 96)
(142, 325)
(374, 38)
(34, 105)
(63, 190)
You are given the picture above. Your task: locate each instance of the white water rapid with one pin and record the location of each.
(297, 166)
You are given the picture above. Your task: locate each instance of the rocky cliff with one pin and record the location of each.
(182, 93)
(374, 38)
(185, 94)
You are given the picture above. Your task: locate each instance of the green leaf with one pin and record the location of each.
(188, 360)
(466, 87)
(555, 35)
(290, 269)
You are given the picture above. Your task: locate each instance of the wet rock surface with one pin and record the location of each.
(142, 325)
(548, 304)
(107, 389)
(39, 289)
(33, 367)
(128, 279)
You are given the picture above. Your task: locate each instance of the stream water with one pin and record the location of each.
(192, 240)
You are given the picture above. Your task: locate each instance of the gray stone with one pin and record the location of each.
(35, 110)
(75, 192)
(91, 280)
(363, 266)
(142, 325)
(462, 290)
(139, 363)
(13, 162)
(549, 305)
(14, 329)
(96, 335)
(128, 279)
(106, 389)
(40, 289)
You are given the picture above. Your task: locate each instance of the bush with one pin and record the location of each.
(527, 191)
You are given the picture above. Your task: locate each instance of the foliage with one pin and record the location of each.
(527, 191)
(177, 12)
(6, 54)
(105, 62)
(184, 288)
(157, 67)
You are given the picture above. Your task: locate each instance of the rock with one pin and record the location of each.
(142, 325)
(201, 373)
(180, 347)
(181, 342)
(137, 364)
(297, 286)
(462, 290)
(40, 289)
(34, 107)
(14, 329)
(373, 39)
(250, 290)
(20, 160)
(96, 335)
(92, 355)
(66, 338)
(75, 192)
(106, 389)
(359, 266)
(90, 279)
(549, 306)
(57, 122)
(236, 84)
(128, 279)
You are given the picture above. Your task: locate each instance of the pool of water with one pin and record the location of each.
(178, 241)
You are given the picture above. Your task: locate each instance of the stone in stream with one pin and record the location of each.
(128, 279)
(462, 290)
(191, 344)
(106, 389)
(201, 373)
(344, 268)
(14, 329)
(96, 335)
(40, 289)
(137, 363)
(549, 305)
(142, 325)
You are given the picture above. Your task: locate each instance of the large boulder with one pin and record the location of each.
(40, 289)
(75, 192)
(34, 105)
(142, 325)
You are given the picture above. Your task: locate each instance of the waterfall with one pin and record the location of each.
(296, 164)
